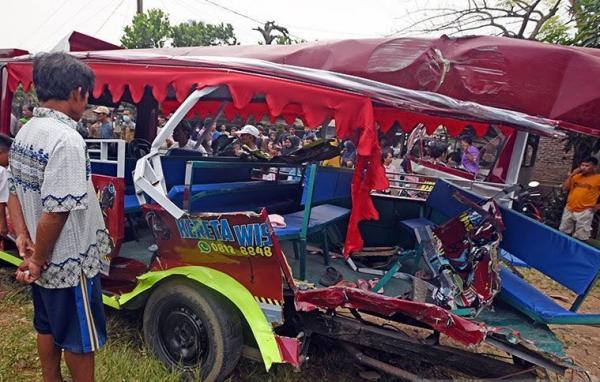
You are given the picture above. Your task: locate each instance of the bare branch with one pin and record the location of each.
(526, 18)
(526, 7)
(479, 20)
(481, 14)
(431, 18)
(543, 19)
(504, 31)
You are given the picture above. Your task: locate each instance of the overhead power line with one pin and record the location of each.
(110, 16)
(235, 12)
(48, 19)
(259, 22)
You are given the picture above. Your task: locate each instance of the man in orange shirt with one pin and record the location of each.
(583, 186)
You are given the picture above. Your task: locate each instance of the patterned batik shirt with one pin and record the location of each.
(50, 172)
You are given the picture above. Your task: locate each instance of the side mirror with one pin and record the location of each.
(533, 184)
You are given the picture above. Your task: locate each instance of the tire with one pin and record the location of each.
(187, 326)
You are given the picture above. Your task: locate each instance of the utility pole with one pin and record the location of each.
(140, 7)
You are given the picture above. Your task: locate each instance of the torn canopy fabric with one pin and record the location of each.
(552, 81)
(121, 72)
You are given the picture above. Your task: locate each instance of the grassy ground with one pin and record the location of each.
(124, 358)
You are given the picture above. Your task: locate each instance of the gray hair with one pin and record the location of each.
(56, 75)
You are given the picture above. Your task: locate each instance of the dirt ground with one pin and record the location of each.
(582, 342)
(126, 359)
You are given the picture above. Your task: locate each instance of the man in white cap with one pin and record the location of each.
(249, 136)
(103, 126)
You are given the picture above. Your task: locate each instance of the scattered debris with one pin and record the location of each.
(370, 375)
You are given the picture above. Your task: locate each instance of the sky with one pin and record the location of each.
(40, 25)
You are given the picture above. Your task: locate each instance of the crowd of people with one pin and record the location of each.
(98, 122)
(208, 139)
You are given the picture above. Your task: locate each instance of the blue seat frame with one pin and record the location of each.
(572, 263)
(322, 186)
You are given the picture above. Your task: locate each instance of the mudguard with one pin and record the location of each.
(213, 279)
(225, 285)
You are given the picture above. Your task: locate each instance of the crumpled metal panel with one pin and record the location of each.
(465, 331)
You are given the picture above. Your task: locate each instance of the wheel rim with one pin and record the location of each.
(183, 336)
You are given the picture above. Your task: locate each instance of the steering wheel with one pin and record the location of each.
(138, 147)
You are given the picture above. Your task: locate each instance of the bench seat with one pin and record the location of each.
(176, 194)
(239, 196)
(320, 216)
(412, 224)
(132, 205)
(532, 302)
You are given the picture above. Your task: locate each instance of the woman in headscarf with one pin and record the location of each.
(291, 143)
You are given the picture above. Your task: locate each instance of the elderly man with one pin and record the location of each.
(58, 222)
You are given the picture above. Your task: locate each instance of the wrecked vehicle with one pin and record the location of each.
(217, 280)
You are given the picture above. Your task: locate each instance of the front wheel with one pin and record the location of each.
(187, 326)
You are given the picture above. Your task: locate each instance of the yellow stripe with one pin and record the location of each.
(88, 314)
(269, 301)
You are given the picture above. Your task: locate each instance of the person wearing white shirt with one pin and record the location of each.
(182, 140)
(390, 170)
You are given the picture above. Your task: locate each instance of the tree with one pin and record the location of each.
(587, 19)
(523, 19)
(198, 33)
(273, 33)
(147, 30)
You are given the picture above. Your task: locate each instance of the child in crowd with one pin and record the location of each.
(5, 143)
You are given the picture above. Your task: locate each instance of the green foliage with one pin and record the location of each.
(587, 17)
(147, 30)
(20, 99)
(554, 204)
(287, 40)
(555, 31)
(275, 34)
(582, 146)
(152, 29)
(198, 33)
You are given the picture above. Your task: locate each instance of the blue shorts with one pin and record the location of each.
(73, 316)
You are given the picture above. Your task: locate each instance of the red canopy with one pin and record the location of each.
(278, 90)
(12, 52)
(539, 79)
(79, 42)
